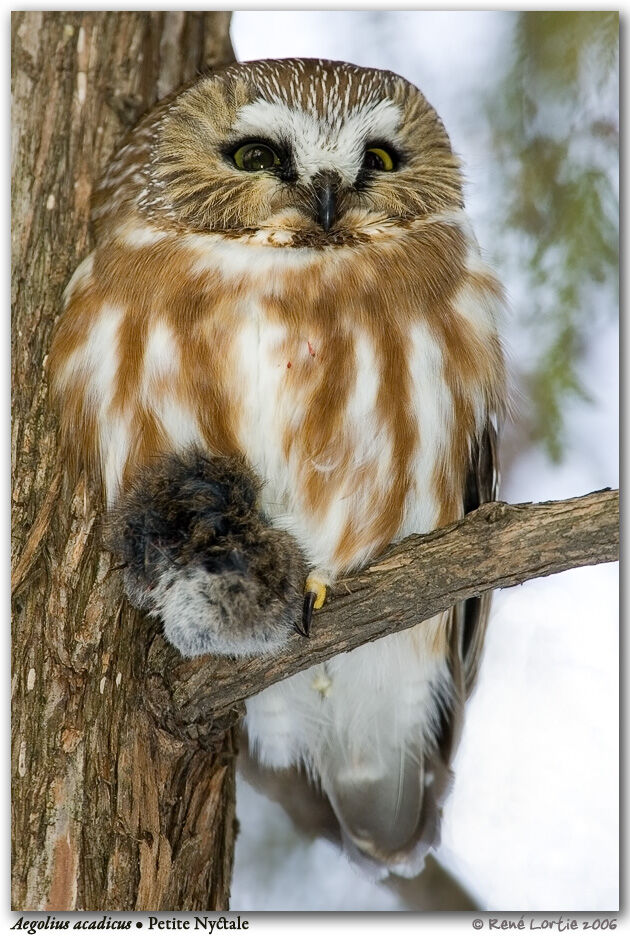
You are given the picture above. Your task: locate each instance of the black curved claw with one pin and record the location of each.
(307, 613)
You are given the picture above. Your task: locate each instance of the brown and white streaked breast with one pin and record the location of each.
(355, 396)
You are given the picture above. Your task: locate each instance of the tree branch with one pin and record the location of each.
(497, 546)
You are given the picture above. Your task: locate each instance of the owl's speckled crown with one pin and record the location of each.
(324, 88)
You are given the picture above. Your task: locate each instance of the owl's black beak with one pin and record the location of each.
(326, 187)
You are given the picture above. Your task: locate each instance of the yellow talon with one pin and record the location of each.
(317, 587)
(314, 597)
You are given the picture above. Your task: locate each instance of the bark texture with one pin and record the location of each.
(497, 546)
(111, 811)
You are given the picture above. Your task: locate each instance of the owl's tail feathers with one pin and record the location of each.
(388, 790)
(200, 556)
(389, 823)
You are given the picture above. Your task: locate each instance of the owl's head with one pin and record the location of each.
(313, 152)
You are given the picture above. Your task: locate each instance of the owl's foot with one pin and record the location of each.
(201, 557)
(314, 598)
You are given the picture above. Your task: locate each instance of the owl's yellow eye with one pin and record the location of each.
(379, 159)
(254, 157)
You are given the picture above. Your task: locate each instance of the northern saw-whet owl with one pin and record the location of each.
(282, 356)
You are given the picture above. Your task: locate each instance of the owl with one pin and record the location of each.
(282, 356)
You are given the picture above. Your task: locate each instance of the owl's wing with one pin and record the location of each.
(481, 486)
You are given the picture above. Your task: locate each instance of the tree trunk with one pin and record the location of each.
(113, 808)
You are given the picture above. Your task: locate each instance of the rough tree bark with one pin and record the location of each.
(110, 810)
(123, 756)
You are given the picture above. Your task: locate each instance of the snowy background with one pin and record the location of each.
(532, 823)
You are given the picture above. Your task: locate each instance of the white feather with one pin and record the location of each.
(140, 235)
(321, 143)
(160, 365)
(433, 403)
(232, 259)
(96, 363)
(79, 278)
